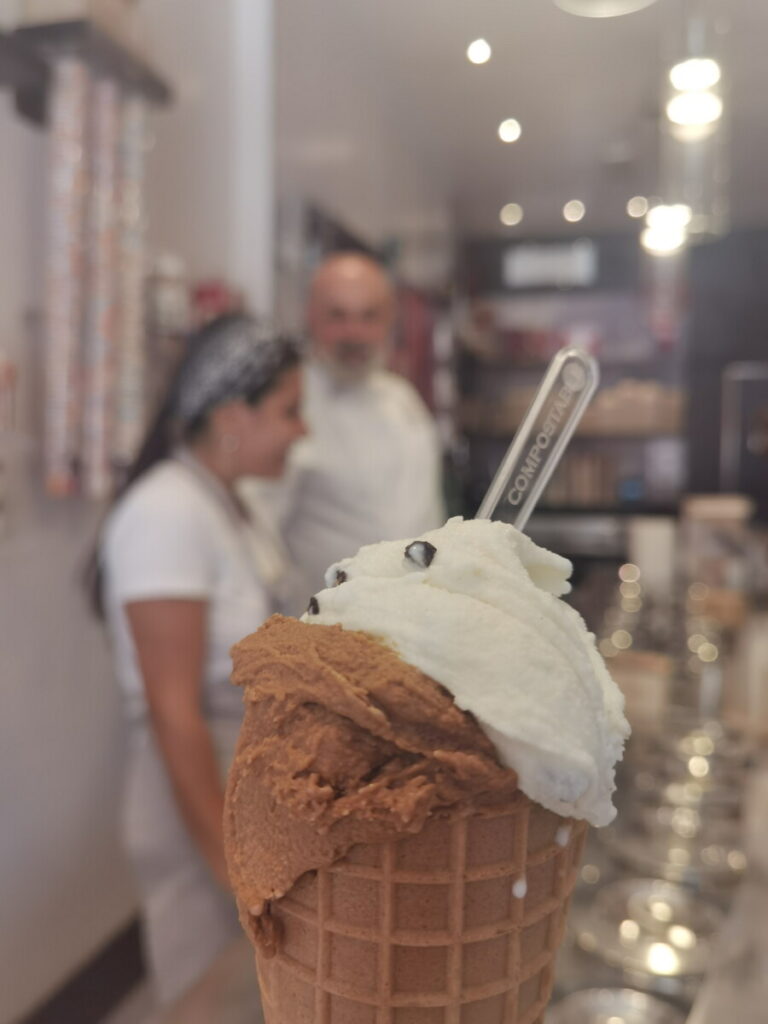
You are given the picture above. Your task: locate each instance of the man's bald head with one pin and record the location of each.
(350, 314)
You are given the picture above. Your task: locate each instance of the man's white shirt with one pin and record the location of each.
(368, 471)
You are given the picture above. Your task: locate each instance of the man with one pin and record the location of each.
(370, 469)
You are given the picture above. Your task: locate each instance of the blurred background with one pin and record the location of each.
(533, 174)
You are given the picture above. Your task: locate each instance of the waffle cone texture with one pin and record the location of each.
(459, 924)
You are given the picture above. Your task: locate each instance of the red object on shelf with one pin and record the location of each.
(214, 298)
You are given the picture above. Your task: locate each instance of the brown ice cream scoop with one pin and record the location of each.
(342, 743)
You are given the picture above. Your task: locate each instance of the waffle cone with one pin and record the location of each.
(458, 924)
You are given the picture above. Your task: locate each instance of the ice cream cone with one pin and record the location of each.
(457, 924)
(419, 758)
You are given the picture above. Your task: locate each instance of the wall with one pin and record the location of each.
(211, 175)
(65, 889)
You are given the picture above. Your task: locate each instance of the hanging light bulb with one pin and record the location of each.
(660, 216)
(694, 131)
(663, 243)
(695, 109)
(602, 8)
(696, 73)
(695, 105)
(667, 229)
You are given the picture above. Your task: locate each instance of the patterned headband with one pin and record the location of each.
(240, 362)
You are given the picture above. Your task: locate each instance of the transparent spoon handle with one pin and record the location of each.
(542, 437)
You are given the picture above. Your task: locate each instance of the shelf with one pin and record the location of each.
(581, 434)
(24, 71)
(607, 510)
(506, 362)
(27, 54)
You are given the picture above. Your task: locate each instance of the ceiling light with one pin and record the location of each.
(510, 130)
(602, 8)
(574, 210)
(695, 74)
(511, 214)
(676, 215)
(663, 241)
(637, 206)
(479, 51)
(666, 232)
(695, 109)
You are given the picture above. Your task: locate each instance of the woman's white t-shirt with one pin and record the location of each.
(172, 536)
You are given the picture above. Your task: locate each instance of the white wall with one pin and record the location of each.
(211, 175)
(63, 885)
(350, 137)
(64, 888)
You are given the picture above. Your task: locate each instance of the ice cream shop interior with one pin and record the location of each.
(383, 512)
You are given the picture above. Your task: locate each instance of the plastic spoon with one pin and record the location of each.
(541, 439)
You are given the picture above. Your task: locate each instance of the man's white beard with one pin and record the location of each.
(354, 372)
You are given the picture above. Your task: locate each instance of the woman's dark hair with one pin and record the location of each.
(165, 431)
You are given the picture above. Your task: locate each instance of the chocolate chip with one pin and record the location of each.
(313, 608)
(421, 553)
(341, 577)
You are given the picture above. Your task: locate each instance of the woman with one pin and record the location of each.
(186, 573)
